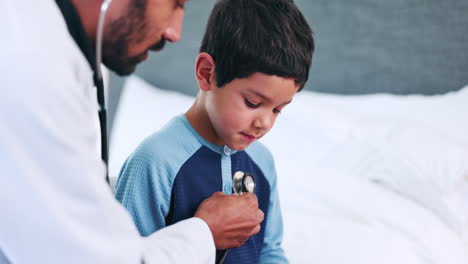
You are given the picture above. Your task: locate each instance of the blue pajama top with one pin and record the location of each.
(175, 169)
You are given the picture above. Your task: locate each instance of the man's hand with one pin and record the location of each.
(232, 218)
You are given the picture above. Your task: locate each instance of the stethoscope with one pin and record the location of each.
(99, 82)
(241, 182)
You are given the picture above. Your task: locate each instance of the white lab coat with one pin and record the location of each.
(55, 205)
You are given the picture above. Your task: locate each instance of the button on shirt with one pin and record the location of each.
(227, 150)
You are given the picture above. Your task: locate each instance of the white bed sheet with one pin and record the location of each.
(363, 179)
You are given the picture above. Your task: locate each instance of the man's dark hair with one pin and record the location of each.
(267, 36)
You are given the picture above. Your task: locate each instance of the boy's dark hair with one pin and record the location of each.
(267, 36)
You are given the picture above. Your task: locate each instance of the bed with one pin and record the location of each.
(362, 179)
(372, 156)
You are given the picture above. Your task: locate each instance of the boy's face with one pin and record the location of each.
(245, 109)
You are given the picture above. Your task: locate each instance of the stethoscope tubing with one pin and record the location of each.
(100, 88)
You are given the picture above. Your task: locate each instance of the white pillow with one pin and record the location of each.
(421, 154)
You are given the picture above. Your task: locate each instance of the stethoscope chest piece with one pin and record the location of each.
(243, 182)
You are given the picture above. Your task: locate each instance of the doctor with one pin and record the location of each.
(55, 204)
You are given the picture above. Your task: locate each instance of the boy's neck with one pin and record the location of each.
(199, 120)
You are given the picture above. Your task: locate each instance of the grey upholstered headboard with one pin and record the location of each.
(362, 46)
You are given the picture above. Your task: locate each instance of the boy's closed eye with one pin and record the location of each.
(253, 105)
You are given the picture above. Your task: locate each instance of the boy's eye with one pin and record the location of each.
(276, 111)
(250, 104)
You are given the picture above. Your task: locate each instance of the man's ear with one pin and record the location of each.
(205, 71)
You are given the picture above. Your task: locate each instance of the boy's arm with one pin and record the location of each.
(144, 188)
(272, 251)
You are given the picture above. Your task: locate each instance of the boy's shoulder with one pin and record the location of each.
(258, 150)
(262, 156)
(173, 142)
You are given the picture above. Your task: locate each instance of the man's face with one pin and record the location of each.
(145, 25)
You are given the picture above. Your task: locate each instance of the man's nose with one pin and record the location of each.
(174, 30)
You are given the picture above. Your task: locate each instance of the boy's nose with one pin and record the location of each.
(263, 122)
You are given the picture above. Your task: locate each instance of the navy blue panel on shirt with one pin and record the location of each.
(250, 251)
(199, 177)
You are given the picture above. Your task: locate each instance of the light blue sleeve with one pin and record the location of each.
(145, 182)
(272, 251)
(144, 188)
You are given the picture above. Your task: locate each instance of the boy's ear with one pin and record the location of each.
(204, 70)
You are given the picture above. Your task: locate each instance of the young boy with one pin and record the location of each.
(254, 57)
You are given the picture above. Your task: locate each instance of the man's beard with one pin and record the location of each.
(115, 56)
(123, 32)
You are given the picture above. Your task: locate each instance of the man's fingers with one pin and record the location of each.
(218, 194)
(240, 242)
(250, 196)
(232, 219)
(260, 216)
(255, 230)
